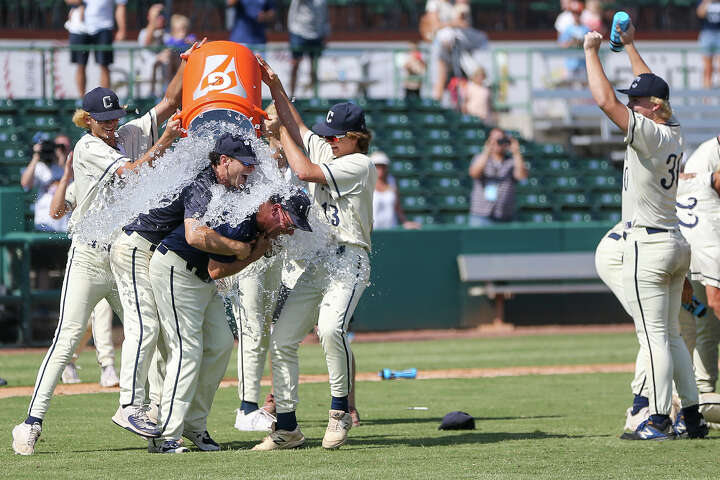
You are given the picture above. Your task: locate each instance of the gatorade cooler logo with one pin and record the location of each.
(219, 75)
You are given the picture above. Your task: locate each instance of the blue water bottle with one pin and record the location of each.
(388, 374)
(696, 307)
(622, 19)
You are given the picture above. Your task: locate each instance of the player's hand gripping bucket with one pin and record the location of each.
(222, 82)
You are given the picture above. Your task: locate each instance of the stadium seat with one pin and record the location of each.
(607, 199)
(415, 203)
(571, 200)
(449, 184)
(406, 168)
(409, 185)
(451, 203)
(443, 167)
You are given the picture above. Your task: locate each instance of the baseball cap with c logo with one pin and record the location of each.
(102, 104)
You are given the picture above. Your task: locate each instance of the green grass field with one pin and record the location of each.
(527, 427)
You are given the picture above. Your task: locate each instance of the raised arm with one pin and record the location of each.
(287, 113)
(628, 39)
(299, 163)
(701, 9)
(58, 206)
(27, 180)
(600, 87)
(173, 95)
(519, 169)
(219, 270)
(208, 240)
(478, 163)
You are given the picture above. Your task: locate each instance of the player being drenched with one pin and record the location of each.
(656, 257)
(341, 181)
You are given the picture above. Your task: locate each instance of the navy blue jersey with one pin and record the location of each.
(199, 194)
(175, 241)
(158, 222)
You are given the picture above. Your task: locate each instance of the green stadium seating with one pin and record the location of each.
(409, 185)
(415, 203)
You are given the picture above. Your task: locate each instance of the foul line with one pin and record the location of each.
(84, 388)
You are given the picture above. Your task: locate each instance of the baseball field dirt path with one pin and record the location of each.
(80, 388)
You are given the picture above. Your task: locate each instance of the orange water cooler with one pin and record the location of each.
(222, 82)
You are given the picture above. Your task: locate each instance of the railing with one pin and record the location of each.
(520, 76)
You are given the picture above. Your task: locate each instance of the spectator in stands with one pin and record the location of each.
(97, 30)
(495, 171)
(179, 40)
(454, 41)
(477, 97)
(709, 13)
(572, 37)
(415, 68)
(251, 19)
(308, 26)
(387, 210)
(46, 165)
(592, 16)
(153, 36)
(565, 18)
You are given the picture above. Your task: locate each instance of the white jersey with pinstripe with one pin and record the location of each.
(347, 197)
(650, 172)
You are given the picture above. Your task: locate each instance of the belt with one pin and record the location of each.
(152, 245)
(95, 244)
(651, 231)
(202, 275)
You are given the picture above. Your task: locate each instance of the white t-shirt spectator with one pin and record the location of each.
(100, 14)
(309, 19)
(43, 220)
(444, 10)
(563, 21)
(45, 175)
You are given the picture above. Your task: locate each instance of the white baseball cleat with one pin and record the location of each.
(202, 440)
(632, 422)
(135, 419)
(24, 438)
(281, 439)
(70, 374)
(338, 427)
(153, 412)
(109, 377)
(158, 445)
(256, 421)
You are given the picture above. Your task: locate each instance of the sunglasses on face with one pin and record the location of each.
(246, 164)
(334, 138)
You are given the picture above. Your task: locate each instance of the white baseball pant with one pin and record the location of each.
(130, 262)
(198, 341)
(328, 299)
(705, 354)
(102, 333)
(87, 281)
(654, 268)
(253, 308)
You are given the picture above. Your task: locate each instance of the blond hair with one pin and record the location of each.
(271, 110)
(665, 112)
(363, 140)
(179, 21)
(81, 118)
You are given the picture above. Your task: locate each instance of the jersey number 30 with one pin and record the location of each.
(333, 217)
(674, 162)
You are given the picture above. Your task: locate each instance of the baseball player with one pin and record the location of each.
(193, 323)
(656, 257)
(102, 154)
(341, 181)
(63, 202)
(609, 265)
(697, 208)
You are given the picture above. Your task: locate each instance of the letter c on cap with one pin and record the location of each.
(107, 101)
(329, 117)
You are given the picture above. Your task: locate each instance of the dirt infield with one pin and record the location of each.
(82, 388)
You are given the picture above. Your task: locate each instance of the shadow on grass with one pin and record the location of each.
(438, 420)
(471, 437)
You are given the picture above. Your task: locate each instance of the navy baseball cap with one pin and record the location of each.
(297, 205)
(647, 85)
(102, 104)
(340, 119)
(236, 147)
